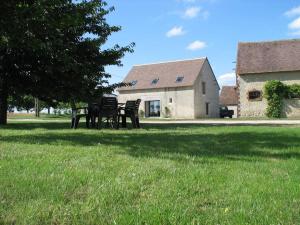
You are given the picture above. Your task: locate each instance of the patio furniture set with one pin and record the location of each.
(109, 113)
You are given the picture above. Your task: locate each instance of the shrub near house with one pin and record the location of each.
(275, 93)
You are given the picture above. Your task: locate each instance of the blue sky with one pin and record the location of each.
(165, 30)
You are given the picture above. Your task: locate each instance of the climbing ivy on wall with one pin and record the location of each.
(275, 91)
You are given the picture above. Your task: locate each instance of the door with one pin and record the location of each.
(207, 108)
(152, 108)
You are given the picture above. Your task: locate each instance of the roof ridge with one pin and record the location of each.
(174, 61)
(269, 41)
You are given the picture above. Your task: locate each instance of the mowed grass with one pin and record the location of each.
(161, 174)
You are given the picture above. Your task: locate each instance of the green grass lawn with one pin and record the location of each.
(161, 174)
(43, 116)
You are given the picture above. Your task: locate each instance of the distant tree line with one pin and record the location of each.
(28, 103)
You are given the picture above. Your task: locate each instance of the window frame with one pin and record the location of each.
(153, 109)
(203, 88)
(256, 99)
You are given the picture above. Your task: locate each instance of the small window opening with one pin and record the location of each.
(207, 108)
(133, 83)
(155, 81)
(203, 88)
(179, 79)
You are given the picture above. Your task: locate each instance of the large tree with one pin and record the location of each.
(53, 50)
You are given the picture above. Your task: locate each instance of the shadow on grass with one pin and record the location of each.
(65, 125)
(162, 142)
(34, 125)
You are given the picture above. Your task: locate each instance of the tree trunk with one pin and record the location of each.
(73, 104)
(3, 103)
(37, 107)
(48, 110)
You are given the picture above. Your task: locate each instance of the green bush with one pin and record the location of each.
(293, 91)
(167, 112)
(275, 91)
(141, 114)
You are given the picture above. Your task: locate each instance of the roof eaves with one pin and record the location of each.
(262, 72)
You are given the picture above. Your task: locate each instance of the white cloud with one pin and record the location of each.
(175, 31)
(196, 45)
(293, 12)
(296, 33)
(191, 12)
(227, 79)
(295, 24)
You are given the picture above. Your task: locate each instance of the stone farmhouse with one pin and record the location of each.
(185, 89)
(260, 62)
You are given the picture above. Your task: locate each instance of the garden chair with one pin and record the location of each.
(78, 113)
(93, 112)
(130, 110)
(109, 110)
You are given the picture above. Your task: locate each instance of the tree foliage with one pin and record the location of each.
(22, 103)
(53, 50)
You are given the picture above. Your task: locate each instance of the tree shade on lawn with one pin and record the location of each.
(52, 50)
(160, 174)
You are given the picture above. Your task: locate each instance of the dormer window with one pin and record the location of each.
(179, 79)
(155, 81)
(133, 83)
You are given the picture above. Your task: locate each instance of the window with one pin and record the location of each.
(179, 79)
(170, 100)
(203, 88)
(155, 81)
(133, 83)
(255, 95)
(207, 108)
(152, 108)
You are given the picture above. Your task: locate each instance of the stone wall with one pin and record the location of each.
(211, 96)
(251, 82)
(181, 107)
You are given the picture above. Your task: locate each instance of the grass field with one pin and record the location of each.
(13, 116)
(161, 174)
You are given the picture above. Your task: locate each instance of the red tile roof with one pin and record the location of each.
(167, 74)
(265, 57)
(229, 96)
